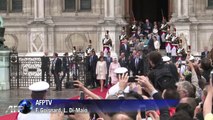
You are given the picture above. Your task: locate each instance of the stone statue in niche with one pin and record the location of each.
(2, 30)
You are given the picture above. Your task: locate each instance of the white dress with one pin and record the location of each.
(156, 45)
(101, 70)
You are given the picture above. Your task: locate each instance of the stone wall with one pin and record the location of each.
(197, 26)
(43, 25)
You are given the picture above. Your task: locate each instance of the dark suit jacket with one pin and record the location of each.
(203, 54)
(146, 27)
(137, 70)
(57, 66)
(65, 62)
(126, 51)
(108, 61)
(87, 62)
(92, 63)
(151, 46)
(124, 63)
(45, 62)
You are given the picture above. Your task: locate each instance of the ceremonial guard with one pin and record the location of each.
(134, 27)
(89, 49)
(163, 28)
(107, 43)
(122, 35)
(181, 52)
(168, 45)
(174, 52)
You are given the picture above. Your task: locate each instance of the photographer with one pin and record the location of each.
(162, 75)
(149, 88)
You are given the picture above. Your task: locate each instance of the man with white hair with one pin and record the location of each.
(185, 89)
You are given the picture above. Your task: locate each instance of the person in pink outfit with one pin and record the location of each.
(101, 71)
(115, 64)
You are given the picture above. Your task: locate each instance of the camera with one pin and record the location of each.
(73, 83)
(132, 79)
(82, 96)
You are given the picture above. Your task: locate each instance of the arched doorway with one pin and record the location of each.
(151, 9)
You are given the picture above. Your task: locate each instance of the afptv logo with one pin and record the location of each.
(25, 106)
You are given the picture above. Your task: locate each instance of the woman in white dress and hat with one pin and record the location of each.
(114, 65)
(101, 71)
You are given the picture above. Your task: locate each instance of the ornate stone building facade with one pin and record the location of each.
(58, 25)
(194, 20)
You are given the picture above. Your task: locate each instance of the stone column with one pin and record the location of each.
(105, 8)
(185, 4)
(35, 9)
(179, 10)
(192, 10)
(39, 10)
(109, 9)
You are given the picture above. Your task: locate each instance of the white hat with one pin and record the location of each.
(39, 86)
(114, 57)
(155, 31)
(191, 57)
(166, 58)
(121, 70)
(114, 89)
(183, 62)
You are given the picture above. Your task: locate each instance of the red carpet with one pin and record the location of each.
(13, 116)
(97, 92)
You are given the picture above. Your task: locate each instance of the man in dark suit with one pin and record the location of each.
(205, 53)
(56, 70)
(108, 60)
(87, 65)
(136, 65)
(123, 60)
(45, 67)
(125, 48)
(92, 68)
(65, 66)
(147, 27)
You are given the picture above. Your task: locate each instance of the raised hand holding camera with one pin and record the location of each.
(145, 83)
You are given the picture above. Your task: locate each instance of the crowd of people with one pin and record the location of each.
(141, 72)
(191, 85)
(146, 37)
